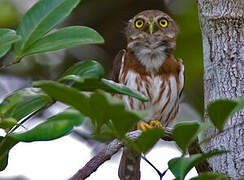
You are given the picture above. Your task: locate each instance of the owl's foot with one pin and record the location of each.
(143, 126)
(155, 123)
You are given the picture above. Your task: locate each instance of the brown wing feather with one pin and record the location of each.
(117, 65)
(181, 72)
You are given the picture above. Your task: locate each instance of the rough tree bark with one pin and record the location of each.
(222, 25)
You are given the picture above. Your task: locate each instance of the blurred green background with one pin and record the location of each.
(109, 18)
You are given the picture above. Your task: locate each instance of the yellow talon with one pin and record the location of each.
(143, 126)
(155, 123)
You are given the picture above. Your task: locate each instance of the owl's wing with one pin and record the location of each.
(117, 65)
(181, 76)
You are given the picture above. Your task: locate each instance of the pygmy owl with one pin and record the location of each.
(148, 66)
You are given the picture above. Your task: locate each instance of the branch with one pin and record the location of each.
(111, 149)
(104, 155)
(195, 148)
(10, 64)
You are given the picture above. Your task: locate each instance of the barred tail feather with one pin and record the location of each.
(129, 168)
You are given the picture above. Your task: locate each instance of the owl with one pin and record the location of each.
(147, 65)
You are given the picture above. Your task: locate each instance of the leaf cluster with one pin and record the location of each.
(87, 94)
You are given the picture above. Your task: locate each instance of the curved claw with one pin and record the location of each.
(155, 123)
(143, 126)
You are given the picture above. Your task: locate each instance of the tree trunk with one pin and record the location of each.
(222, 25)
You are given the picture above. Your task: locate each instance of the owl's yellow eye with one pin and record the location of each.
(139, 23)
(163, 22)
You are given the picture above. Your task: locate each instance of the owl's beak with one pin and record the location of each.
(151, 27)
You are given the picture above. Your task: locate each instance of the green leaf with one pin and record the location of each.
(104, 84)
(84, 70)
(185, 133)
(65, 94)
(181, 166)
(100, 107)
(220, 110)
(87, 77)
(22, 103)
(6, 143)
(240, 105)
(8, 123)
(65, 38)
(110, 110)
(4, 50)
(210, 176)
(113, 87)
(8, 37)
(53, 128)
(148, 138)
(40, 19)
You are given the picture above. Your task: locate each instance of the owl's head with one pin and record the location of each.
(152, 25)
(151, 34)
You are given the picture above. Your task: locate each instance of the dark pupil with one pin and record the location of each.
(162, 22)
(139, 23)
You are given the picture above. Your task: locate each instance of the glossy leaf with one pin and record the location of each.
(220, 110)
(100, 107)
(84, 70)
(110, 110)
(210, 176)
(103, 84)
(185, 133)
(5, 145)
(53, 128)
(113, 87)
(8, 37)
(22, 103)
(181, 166)
(65, 94)
(40, 19)
(148, 139)
(106, 85)
(4, 50)
(87, 77)
(65, 38)
(8, 123)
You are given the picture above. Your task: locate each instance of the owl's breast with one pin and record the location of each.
(162, 93)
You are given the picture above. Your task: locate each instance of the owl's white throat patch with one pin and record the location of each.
(151, 58)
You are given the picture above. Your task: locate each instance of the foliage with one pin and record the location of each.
(7, 37)
(181, 166)
(210, 176)
(20, 104)
(220, 111)
(106, 112)
(148, 138)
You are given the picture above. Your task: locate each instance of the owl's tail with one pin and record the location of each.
(129, 168)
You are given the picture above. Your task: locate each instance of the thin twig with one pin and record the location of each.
(28, 117)
(220, 132)
(10, 64)
(106, 153)
(161, 175)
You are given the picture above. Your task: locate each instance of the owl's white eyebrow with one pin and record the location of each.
(138, 17)
(157, 18)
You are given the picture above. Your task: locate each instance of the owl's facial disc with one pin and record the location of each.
(151, 36)
(151, 54)
(154, 45)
